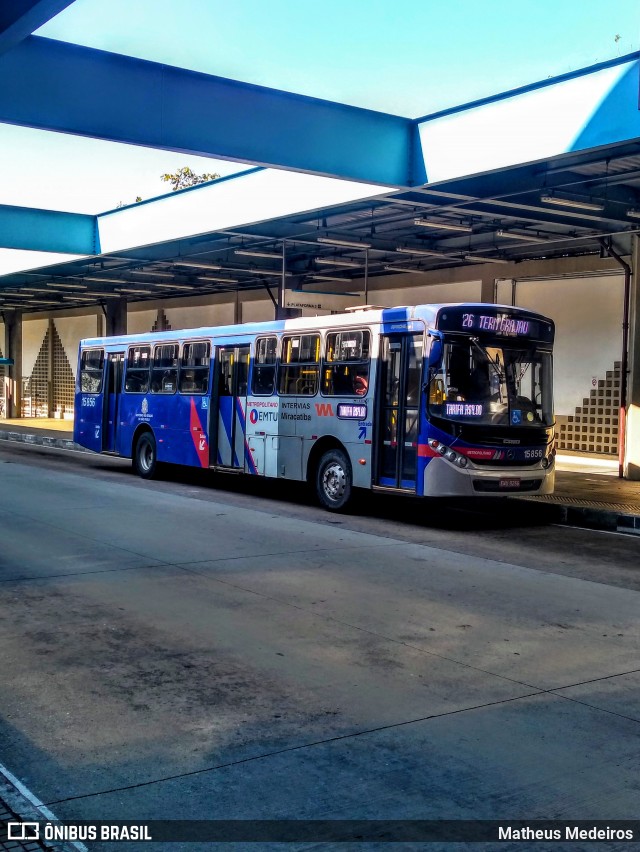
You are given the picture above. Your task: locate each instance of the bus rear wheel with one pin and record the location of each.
(334, 481)
(145, 458)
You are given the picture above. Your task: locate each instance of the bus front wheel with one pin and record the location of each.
(145, 459)
(334, 481)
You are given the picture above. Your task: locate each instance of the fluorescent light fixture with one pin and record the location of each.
(515, 235)
(77, 298)
(635, 214)
(337, 261)
(478, 259)
(331, 278)
(153, 274)
(20, 295)
(446, 226)
(421, 252)
(346, 243)
(572, 202)
(191, 265)
(135, 292)
(65, 286)
(271, 272)
(406, 269)
(104, 295)
(215, 279)
(103, 280)
(256, 253)
(189, 287)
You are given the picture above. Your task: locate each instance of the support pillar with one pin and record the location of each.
(487, 289)
(631, 467)
(116, 317)
(13, 349)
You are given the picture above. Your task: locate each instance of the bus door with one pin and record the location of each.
(232, 373)
(111, 405)
(400, 366)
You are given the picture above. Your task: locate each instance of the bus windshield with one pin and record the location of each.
(491, 382)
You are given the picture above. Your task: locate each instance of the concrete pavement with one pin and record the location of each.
(165, 655)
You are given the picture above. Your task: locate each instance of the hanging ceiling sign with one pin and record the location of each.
(320, 300)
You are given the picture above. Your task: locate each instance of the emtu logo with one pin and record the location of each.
(324, 409)
(253, 415)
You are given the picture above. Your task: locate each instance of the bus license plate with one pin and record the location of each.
(509, 483)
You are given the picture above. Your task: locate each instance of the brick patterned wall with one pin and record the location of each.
(35, 396)
(593, 427)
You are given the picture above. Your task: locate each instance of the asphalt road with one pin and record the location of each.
(207, 647)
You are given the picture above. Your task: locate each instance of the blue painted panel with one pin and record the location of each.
(57, 86)
(87, 424)
(48, 230)
(171, 417)
(19, 19)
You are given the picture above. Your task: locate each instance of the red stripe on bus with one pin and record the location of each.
(425, 451)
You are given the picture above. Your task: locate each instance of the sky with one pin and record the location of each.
(408, 57)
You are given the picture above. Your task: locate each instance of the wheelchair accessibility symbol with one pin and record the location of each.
(516, 417)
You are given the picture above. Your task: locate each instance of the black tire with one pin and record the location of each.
(145, 456)
(334, 481)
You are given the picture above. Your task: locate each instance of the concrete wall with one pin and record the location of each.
(405, 290)
(587, 312)
(70, 331)
(33, 334)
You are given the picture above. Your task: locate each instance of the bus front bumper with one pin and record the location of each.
(444, 479)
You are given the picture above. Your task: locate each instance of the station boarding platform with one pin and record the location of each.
(588, 489)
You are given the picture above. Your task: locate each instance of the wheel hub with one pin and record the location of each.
(334, 481)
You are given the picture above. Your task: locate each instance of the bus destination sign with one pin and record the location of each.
(494, 323)
(348, 411)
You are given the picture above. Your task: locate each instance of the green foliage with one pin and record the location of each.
(185, 177)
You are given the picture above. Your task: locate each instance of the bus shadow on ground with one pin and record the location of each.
(460, 513)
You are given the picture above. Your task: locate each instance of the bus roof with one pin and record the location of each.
(354, 317)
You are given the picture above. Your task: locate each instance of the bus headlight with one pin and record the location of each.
(448, 453)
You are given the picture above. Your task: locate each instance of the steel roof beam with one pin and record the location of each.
(48, 230)
(52, 85)
(19, 18)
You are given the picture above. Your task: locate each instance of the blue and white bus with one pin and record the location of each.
(430, 400)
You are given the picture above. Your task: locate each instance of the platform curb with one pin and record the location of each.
(12, 800)
(42, 441)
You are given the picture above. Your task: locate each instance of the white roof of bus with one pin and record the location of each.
(355, 317)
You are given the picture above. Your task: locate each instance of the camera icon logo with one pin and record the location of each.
(23, 831)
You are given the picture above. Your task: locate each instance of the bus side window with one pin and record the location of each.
(263, 378)
(346, 364)
(91, 368)
(194, 367)
(164, 372)
(137, 374)
(299, 367)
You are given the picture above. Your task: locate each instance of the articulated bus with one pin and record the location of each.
(431, 400)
